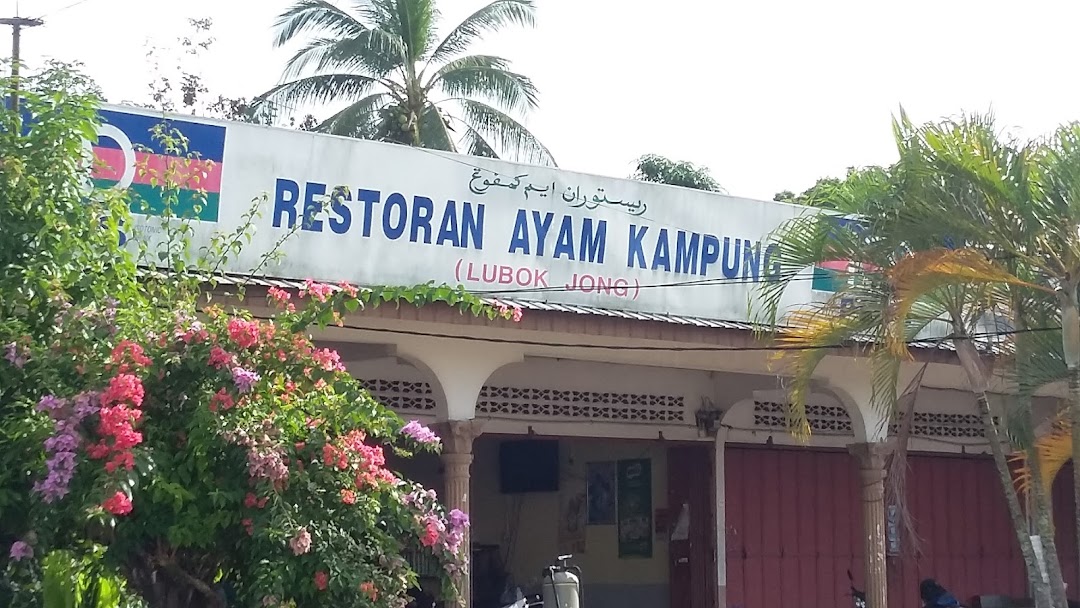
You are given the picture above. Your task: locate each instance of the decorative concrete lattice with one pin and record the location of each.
(822, 418)
(960, 426)
(580, 405)
(402, 395)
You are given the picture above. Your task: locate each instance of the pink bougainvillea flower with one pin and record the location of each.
(20, 551)
(430, 535)
(280, 297)
(249, 526)
(419, 433)
(328, 359)
(300, 543)
(123, 388)
(318, 291)
(128, 355)
(15, 355)
(250, 500)
(368, 588)
(348, 497)
(219, 358)
(117, 504)
(322, 579)
(243, 333)
(221, 399)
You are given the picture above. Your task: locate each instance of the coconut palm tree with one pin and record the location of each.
(401, 83)
(907, 283)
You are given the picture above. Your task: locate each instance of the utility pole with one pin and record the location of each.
(17, 23)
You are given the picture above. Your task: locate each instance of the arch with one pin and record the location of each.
(460, 370)
(836, 421)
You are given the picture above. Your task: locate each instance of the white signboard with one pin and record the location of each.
(399, 215)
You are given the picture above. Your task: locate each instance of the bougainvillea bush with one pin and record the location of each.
(218, 447)
(206, 457)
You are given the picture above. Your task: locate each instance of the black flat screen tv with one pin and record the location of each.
(528, 466)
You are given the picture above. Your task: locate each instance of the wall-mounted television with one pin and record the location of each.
(528, 466)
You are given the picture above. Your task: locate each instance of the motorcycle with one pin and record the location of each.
(858, 598)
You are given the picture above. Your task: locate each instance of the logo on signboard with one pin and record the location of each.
(128, 156)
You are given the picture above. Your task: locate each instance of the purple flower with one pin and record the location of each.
(419, 433)
(267, 462)
(244, 379)
(21, 551)
(15, 355)
(458, 519)
(51, 404)
(63, 443)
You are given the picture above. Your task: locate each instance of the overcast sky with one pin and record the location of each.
(769, 94)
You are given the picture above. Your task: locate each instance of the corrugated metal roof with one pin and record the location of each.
(995, 347)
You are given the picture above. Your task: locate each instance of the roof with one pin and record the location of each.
(940, 345)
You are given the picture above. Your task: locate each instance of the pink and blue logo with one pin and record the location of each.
(127, 155)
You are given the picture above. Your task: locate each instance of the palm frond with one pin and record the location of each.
(486, 77)
(511, 136)
(416, 26)
(373, 52)
(434, 132)
(812, 332)
(1053, 450)
(315, 16)
(474, 143)
(490, 18)
(321, 88)
(359, 120)
(920, 273)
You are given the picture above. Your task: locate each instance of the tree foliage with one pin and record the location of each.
(401, 83)
(177, 84)
(661, 170)
(968, 239)
(201, 454)
(826, 190)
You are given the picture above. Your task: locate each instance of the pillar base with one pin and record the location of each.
(457, 437)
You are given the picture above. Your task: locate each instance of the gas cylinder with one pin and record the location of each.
(562, 585)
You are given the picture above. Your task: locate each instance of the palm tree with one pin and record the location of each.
(915, 282)
(403, 84)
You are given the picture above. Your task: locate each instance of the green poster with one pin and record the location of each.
(635, 508)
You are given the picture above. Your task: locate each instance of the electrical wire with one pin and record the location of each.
(617, 347)
(62, 9)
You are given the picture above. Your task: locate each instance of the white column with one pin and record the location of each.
(721, 519)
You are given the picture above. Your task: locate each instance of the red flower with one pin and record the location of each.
(280, 297)
(219, 358)
(368, 588)
(243, 333)
(322, 579)
(123, 388)
(117, 504)
(249, 527)
(250, 500)
(430, 535)
(348, 497)
(128, 352)
(221, 399)
(329, 455)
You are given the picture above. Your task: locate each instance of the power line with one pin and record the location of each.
(616, 347)
(62, 9)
